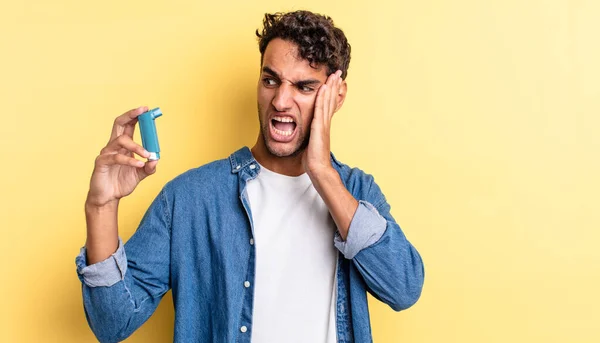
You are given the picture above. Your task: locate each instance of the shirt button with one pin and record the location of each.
(238, 167)
(251, 241)
(252, 166)
(246, 284)
(243, 329)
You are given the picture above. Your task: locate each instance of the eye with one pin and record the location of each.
(267, 81)
(306, 89)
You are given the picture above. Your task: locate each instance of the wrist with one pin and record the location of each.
(324, 175)
(96, 207)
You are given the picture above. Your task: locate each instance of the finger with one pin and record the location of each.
(338, 87)
(130, 128)
(125, 119)
(130, 116)
(149, 169)
(124, 145)
(114, 159)
(126, 152)
(322, 104)
(334, 92)
(319, 103)
(326, 105)
(331, 83)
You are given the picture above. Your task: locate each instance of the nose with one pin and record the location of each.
(283, 99)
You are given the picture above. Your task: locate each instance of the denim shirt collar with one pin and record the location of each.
(243, 157)
(240, 159)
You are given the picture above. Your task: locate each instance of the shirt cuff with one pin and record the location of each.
(366, 228)
(105, 273)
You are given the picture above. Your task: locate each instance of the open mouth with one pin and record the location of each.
(282, 128)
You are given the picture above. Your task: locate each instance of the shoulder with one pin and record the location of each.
(204, 178)
(359, 183)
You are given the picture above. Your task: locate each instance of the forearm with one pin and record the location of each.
(122, 289)
(392, 269)
(390, 265)
(115, 312)
(102, 231)
(341, 204)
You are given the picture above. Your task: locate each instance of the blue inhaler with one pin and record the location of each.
(148, 132)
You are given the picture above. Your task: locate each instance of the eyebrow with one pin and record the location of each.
(301, 83)
(270, 71)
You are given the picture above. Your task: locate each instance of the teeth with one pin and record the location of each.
(283, 133)
(284, 119)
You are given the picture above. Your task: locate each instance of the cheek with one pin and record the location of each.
(263, 98)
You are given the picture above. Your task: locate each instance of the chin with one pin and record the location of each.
(290, 149)
(281, 151)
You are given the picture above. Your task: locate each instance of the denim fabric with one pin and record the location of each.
(197, 240)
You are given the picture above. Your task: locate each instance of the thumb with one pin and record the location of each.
(148, 169)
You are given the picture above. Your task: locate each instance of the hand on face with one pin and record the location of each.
(316, 157)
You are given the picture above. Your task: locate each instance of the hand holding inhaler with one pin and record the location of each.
(117, 172)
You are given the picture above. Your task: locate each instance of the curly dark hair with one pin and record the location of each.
(319, 41)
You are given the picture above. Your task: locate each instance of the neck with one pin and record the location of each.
(289, 165)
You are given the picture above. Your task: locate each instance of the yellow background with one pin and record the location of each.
(479, 120)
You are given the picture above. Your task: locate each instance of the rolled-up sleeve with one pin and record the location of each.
(366, 228)
(104, 273)
(121, 292)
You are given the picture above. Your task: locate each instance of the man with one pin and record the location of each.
(279, 243)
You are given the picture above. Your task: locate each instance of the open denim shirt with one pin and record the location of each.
(197, 239)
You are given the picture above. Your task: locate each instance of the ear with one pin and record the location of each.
(341, 95)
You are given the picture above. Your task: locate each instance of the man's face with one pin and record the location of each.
(287, 89)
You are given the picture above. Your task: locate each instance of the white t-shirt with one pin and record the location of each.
(294, 291)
